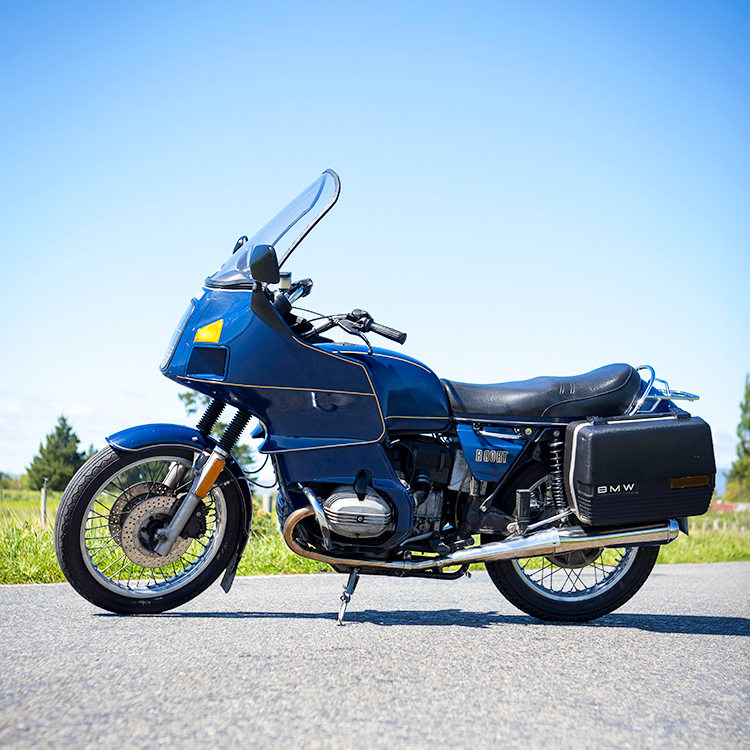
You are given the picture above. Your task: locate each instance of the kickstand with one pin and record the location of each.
(346, 597)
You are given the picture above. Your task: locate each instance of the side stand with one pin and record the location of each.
(346, 597)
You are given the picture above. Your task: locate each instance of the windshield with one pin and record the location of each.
(285, 231)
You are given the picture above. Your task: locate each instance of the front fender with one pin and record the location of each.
(179, 436)
(160, 436)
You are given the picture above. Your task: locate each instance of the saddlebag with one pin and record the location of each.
(639, 469)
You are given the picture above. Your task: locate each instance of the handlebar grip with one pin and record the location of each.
(389, 333)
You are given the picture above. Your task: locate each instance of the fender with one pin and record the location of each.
(180, 436)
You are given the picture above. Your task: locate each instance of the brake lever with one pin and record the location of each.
(299, 290)
(351, 326)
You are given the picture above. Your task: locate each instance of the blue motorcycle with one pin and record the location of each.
(564, 487)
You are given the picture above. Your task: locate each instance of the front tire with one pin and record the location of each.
(105, 523)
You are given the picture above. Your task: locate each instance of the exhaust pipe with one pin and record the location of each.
(547, 542)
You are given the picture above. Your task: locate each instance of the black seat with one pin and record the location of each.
(605, 392)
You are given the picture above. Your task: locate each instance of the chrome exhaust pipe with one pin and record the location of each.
(547, 542)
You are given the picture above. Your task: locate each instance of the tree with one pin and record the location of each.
(738, 479)
(243, 454)
(58, 460)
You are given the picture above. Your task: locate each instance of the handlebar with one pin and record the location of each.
(356, 322)
(363, 322)
(389, 333)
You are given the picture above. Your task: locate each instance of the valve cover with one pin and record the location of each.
(351, 517)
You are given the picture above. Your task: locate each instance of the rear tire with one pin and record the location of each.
(573, 587)
(106, 515)
(536, 592)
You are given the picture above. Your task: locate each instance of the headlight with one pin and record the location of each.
(177, 335)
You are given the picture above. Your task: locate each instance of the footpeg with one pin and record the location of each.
(346, 597)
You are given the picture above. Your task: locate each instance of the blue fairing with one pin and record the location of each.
(307, 396)
(410, 394)
(327, 408)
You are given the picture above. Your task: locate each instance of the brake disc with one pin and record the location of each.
(138, 532)
(128, 500)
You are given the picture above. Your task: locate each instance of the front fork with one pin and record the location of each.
(205, 474)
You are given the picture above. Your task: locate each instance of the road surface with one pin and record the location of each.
(420, 664)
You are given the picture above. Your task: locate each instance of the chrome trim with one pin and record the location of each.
(637, 405)
(549, 542)
(548, 521)
(513, 421)
(652, 393)
(486, 433)
(169, 533)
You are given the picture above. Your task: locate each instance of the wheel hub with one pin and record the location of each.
(577, 559)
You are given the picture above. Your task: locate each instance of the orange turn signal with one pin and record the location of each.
(209, 334)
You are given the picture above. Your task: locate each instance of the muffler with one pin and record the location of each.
(547, 542)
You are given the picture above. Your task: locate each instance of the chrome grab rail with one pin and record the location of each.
(655, 395)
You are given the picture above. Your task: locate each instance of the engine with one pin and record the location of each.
(425, 466)
(349, 516)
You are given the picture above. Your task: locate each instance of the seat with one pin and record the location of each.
(605, 392)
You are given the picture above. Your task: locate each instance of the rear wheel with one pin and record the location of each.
(575, 586)
(107, 521)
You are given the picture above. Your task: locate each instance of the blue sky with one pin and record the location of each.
(527, 188)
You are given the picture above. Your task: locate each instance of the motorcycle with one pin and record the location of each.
(564, 487)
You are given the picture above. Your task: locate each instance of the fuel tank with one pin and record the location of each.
(410, 394)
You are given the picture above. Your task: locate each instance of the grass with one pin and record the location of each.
(18, 506)
(714, 537)
(27, 549)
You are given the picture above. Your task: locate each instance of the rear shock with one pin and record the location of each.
(557, 483)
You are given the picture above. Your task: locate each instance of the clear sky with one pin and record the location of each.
(528, 188)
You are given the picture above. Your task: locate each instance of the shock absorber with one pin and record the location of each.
(209, 418)
(233, 431)
(557, 483)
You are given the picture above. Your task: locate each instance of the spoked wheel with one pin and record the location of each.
(574, 586)
(105, 532)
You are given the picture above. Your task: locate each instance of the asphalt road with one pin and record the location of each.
(421, 664)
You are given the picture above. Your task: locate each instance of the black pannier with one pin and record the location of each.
(639, 469)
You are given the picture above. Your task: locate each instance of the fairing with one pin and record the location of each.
(307, 396)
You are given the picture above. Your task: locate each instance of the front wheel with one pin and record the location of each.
(105, 530)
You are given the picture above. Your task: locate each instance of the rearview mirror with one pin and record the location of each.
(264, 265)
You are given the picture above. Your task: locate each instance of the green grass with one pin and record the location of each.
(27, 549)
(17, 506)
(711, 545)
(27, 554)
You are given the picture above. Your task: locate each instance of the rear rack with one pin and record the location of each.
(650, 399)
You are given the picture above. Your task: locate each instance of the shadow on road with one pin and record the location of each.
(691, 624)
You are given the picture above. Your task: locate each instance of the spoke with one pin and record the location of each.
(116, 560)
(113, 545)
(577, 580)
(114, 575)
